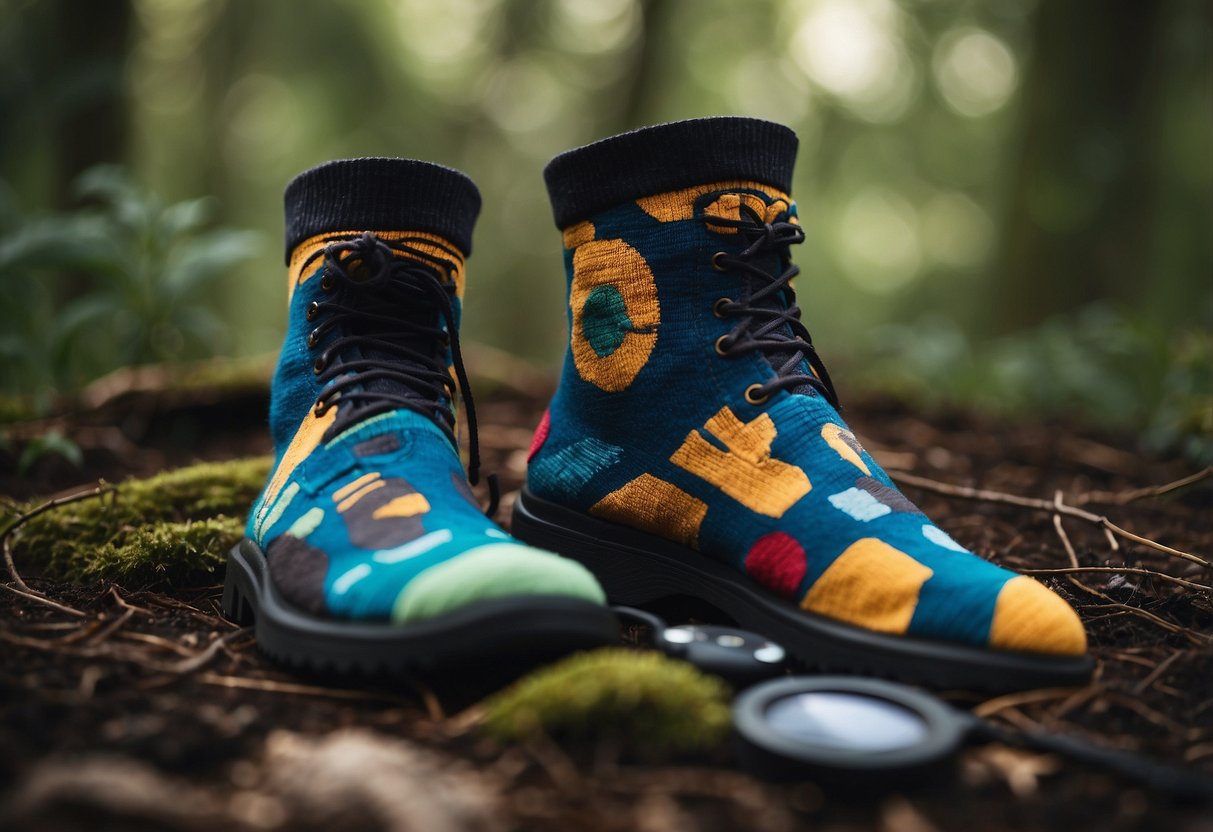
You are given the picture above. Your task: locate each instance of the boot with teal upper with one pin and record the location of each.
(367, 550)
(694, 446)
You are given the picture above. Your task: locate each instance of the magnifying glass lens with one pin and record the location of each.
(846, 721)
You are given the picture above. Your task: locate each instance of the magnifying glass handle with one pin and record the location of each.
(655, 623)
(1182, 784)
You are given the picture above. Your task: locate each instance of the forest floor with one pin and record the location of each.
(141, 707)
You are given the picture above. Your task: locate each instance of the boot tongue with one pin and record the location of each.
(379, 285)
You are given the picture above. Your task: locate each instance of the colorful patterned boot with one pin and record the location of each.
(694, 446)
(367, 550)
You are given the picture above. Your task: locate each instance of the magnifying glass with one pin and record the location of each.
(856, 731)
(853, 730)
(843, 727)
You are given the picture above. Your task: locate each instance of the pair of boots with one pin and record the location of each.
(693, 446)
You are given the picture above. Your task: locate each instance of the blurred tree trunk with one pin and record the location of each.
(650, 59)
(62, 91)
(89, 48)
(1078, 224)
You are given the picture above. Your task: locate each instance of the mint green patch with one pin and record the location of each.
(604, 320)
(280, 506)
(307, 523)
(495, 570)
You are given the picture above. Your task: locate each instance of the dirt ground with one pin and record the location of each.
(146, 709)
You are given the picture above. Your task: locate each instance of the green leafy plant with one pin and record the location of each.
(51, 443)
(121, 281)
(1100, 365)
(1184, 417)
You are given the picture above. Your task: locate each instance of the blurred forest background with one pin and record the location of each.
(1009, 204)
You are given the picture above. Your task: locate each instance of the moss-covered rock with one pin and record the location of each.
(166, 551)
(652, 705)
(168, 528)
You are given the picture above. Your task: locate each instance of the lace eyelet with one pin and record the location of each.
(320, 409)
(313, 338)
(313, 309)
(319, 365)
(327, 283)
(719, 305)
(716, 264)
(752, 396)
(722, 345)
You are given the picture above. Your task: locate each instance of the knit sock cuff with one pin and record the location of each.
(381, 195)
(653, 160)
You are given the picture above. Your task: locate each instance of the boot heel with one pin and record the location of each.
(235, 608)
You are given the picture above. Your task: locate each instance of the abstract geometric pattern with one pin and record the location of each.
(613, 300)
(652, 428)
(352, 515)
(744, 468)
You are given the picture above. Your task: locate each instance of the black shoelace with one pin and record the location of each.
(768, 319)
(393, 318)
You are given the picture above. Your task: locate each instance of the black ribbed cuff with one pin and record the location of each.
(381, 195)
(653, 160)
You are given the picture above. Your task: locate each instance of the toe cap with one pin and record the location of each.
(1030, 618)
(496, 570)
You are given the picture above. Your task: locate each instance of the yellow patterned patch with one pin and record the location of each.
(621, 269)
(728, 207)
(407, 505)
(445, 256)
(673, 206)
(1029, 617)
(845, 443)
(653, 505)
(746, 472)
(352, 486)
(870, 585)
(350, 501)
(306, 439)
(575, 235)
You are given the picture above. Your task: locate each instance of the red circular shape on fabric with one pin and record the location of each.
(777, 562)
(541, 434)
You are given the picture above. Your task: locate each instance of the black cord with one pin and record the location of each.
(1182, 784)
(653, 622)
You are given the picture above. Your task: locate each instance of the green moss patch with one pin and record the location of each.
(652, 705)
(170, 528)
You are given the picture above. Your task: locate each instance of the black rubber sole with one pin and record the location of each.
(640, 569)
(519, 632)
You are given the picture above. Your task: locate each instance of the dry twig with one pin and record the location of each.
(22, 588)
(1120, 570)
(1158, 672)
(1120, 498)
(271, 686)
(1051, 506)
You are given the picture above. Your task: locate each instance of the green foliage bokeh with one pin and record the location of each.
(981, 182)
